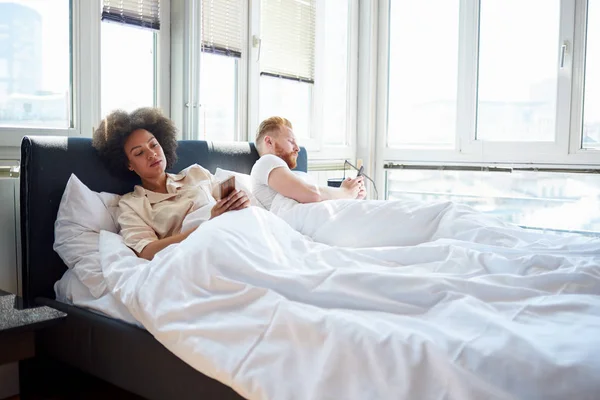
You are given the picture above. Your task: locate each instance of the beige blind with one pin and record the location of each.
(287, 32)
(144, 13)
(222, 27)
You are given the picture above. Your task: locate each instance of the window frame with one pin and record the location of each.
(238, 100)
(85, 72)
(566, 148)
(321, 150)
(80, 56)
(578, 86)
(186, 56)
(318, 150)
(156, 78)
(162, 66)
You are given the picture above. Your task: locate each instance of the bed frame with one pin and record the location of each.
(116, 352)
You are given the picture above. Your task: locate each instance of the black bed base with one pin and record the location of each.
(119, 353)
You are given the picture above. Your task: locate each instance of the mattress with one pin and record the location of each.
(70, 290)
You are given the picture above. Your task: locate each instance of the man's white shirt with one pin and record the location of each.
(260, 182)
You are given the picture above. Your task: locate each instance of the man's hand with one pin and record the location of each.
(353, 187)
(362, 194)
(236, 200)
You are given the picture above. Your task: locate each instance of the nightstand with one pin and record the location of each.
(17, 327)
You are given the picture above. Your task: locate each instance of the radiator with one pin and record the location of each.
(10, 257)
(9, 230)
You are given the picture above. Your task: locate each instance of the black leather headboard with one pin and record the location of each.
(46, 165)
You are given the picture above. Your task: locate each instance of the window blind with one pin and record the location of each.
(222, 27)
(143, 13)
(288, 39)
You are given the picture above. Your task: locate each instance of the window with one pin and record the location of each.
(333, 69)
(4, 69)
(128, 56)
(61, 68)
(483, 81)
(518, 71)
(35, 64)
(222, 22)
(218, 97)
(423, 65)
(287, 98)
(548, 200)
(127, 67)
(307, 71)
(287, 62)
(591, 119)
(480, 83)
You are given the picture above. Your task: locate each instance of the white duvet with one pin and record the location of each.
(459, 311)
(372, 223)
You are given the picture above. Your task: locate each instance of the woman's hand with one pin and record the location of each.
(353, 187)
(236, 200)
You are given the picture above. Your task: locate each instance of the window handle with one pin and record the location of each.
(257, 42)
(563, 51)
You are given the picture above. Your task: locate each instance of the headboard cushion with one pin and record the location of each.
(46, 165)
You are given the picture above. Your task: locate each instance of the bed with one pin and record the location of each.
(115, 351)
(339, 299)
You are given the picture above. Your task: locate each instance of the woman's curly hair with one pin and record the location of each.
(110, 137)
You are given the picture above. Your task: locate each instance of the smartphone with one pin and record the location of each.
(224, 188)
(360, 171)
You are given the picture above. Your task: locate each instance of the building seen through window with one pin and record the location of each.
(35, 64)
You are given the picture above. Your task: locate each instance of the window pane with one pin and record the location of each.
(591, 111)
(533, 199)
(127, 67)
(35, 63)
(218, 92)
(423, 72)
(335, 70)
(518, 66)
(289, 99)
(322, 177)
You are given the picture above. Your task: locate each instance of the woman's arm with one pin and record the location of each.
(235, 201)
(139, 236)
(150, 250)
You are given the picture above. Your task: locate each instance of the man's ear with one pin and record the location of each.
(268, 140)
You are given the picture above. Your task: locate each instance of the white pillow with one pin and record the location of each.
(242, 182)
(82, 214)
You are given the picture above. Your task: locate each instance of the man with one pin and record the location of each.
(272, 174)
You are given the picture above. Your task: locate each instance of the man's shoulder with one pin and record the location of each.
(271, 159)
(267, 162)
(263, 167)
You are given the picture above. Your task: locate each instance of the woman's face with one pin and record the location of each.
(145, 155)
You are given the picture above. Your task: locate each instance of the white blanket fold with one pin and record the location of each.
(373, 223)
(251, 302)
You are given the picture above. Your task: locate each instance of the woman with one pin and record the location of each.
(144, 142)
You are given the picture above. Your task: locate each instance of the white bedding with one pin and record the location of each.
(256, 305)
(373, 223)
(70, 290)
